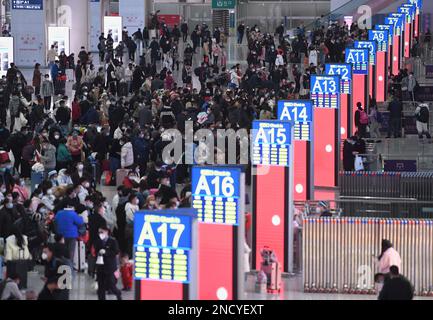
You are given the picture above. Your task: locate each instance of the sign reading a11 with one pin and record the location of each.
(359, 60)
(372, 48)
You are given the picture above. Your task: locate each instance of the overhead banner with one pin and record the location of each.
(28, 31)
(6, 54)
(113, 26)
(95, 24)
(59, 36)
(132, 12)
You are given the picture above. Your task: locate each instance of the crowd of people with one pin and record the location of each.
(111, 132)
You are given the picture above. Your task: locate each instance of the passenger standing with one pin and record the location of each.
(395, 109)
(37, 79)
(422, 114)
(47, 92)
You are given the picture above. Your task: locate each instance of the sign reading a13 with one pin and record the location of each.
(325, 84)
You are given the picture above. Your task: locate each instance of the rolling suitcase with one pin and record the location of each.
(273, 273)
(80, 256)
(120, 175)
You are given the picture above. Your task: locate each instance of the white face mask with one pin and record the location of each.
(22, 183)
(151, 203)
(86, 185)
(102, 236)
(44, 256)
(80, 167)
(50, 192)
(3, 190)
(42, 210)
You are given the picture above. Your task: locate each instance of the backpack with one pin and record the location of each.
(363, 117)
(423, 115)
(379, 117)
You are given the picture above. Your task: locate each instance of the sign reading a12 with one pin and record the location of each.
(298, 111)
(341, 69)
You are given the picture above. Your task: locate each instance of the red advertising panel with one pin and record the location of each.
(301, 179)
(216, 258)
(396, 55)
(160, 290)
(345, 116)
(407, 39)
(371, 80)
(359, 95)
(381, 73)
(416, 29)
(325, 162)
(169, 19)
(270, 212)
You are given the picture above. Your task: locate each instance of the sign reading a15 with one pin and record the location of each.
(271, 132)
(325, 84)
(298, 111)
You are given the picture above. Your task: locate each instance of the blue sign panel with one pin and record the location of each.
(162, 244)
(372, 48)
(381, 38)
(359, 58)
(27, 4)
(409, 10)
(344, 70)
(301, 113)
(325, 91)
(271, 142)
(388, 28)
(397, 22)
(216, 194)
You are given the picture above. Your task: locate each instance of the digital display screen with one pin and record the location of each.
(325, 91)
(359, 58)
(300, 112)
(271, 143)
(372, 49)
(216, 194)
(381, 38)
(325, 149)
(162, 241)
(388, 28)
(27, 4)
(344, 70)
(270, 216)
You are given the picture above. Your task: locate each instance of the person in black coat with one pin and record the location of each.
(348, 154)
(396, 287)
(96, 221)
(107, 250)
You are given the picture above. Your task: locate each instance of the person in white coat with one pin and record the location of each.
(126, 154)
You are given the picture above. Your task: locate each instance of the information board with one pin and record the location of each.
(216, 194)
(300, 112)
(388, 28)
(325, 91)
(162, 242)
(359, 58)
(381, 38)
(344, 70)
(27, 4)
(271, 142)
(371, 46)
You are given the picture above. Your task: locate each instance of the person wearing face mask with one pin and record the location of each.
(83, 190)
(17, 255)
(52, 177)
(48, 156)
(107, 250)
(52, 264)
(151, 203)
(48, 197)
(322, 209)
(75, 145)
(80, 173)
(131, 208)
(126, 154)
(20, 188)
(64, 178)
(96, 220)
(36, 199)
(349, 153)
(165, 191)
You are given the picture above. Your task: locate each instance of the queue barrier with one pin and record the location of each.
(418, 185)
(340, 254)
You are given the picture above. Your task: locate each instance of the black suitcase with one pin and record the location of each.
(20, 268)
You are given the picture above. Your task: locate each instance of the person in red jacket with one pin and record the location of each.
(76, 111)
(126, 272)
